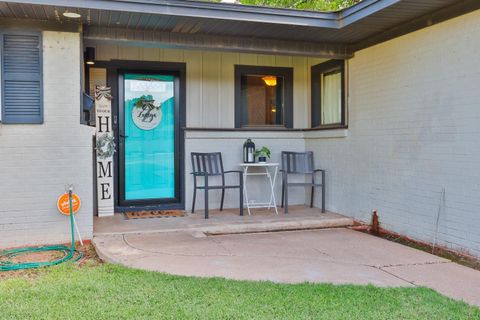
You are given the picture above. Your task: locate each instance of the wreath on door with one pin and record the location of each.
(146, 114)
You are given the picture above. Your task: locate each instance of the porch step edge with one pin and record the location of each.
(270, 226)
(278, 226)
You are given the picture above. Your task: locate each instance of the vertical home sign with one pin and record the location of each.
(105, 147)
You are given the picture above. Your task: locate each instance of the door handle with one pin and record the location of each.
(123, 136)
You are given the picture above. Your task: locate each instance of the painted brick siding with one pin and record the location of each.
(414, 108)
(37, 161)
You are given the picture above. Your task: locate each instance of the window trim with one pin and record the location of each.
(27, 32)
(286, 73)
(316, 91)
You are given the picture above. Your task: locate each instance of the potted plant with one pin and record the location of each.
(262, 154)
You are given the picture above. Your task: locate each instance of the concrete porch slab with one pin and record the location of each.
(339, 256)
(225, 222)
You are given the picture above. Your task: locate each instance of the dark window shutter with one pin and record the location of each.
(22, 79)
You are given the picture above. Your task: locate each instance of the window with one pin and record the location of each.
(263, 97)
(21, 83)
(328, 95)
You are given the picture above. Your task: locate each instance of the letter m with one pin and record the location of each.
(105, 171)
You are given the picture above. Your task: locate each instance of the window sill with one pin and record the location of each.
(285, 133)
(227, 133)
(326, 133)
(328, 127)
(251, 129)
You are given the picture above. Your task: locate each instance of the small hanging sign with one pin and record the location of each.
(63, 204)
(150, 85)
(105, 148)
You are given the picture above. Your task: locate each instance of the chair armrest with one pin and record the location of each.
(319, 170)
(233, 171)
(199, 174)
(290, 173)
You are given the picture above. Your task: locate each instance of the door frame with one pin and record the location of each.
(114, 69)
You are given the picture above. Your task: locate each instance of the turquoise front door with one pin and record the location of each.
(149, 166)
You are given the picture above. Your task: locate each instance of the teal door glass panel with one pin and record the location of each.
(149, 136)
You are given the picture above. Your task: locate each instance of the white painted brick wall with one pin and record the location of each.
(414, 111)
(37, 161)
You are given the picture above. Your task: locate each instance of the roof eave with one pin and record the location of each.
(202, 9)
(234, 12)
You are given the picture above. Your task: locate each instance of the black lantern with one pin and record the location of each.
(89, 55)
(249, 151)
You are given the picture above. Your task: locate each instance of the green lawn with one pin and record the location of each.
(114, 292)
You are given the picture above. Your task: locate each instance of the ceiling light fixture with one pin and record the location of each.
(270, 81)
(72, 15)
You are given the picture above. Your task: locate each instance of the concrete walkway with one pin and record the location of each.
(337, 256)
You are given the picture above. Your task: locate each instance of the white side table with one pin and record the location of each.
(266, 172)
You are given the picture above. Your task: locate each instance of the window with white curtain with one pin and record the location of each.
(332, 98)
(328, 92)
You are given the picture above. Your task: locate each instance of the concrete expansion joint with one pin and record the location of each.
(383, 269)
(221, 245)
(396, 276)
(414, 264)
(322, 253)
(169, 253)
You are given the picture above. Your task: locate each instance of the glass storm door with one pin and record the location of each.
(148, 162)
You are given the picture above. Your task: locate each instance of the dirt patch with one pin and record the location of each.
(89, 258)
(38, 257)
(441, 252)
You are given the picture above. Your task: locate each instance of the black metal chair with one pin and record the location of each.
(207, 165)
(300, 163)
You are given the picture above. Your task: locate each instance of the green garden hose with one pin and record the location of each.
(69, 253)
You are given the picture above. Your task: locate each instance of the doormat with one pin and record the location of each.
(154, 214)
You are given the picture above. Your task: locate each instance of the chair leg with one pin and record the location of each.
(313, 191)
(206, 197)
(311, 197)
(206, 203)
(194, 199)
(241, 194)
(221, 201)
(286, 195)
(283, 191)
(323, 191)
